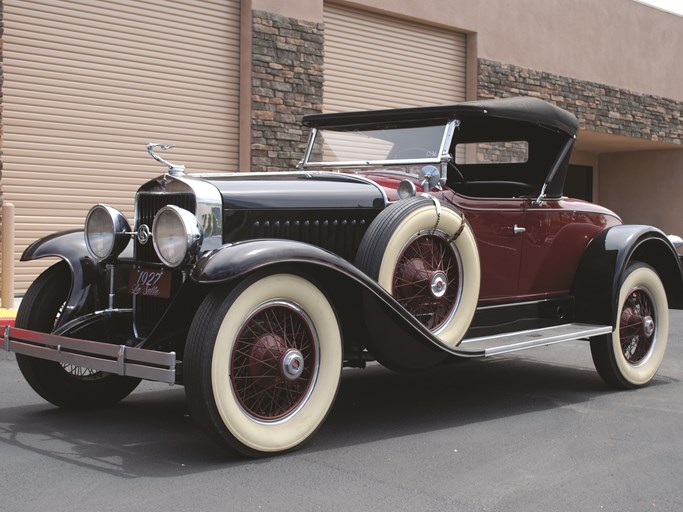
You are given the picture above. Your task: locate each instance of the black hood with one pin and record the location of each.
(304, 190)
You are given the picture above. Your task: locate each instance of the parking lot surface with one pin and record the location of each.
(533, 431)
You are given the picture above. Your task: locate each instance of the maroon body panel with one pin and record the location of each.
(557, 233)
(537, 263)
(500, 250)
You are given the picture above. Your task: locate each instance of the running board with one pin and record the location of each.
(487, 346)
(117, 359)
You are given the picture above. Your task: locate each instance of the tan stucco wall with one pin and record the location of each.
(617, 42)
(590, 160)
(309, 10)
(644, 187)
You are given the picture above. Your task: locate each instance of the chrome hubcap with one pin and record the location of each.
(292, 364)
(638, 326)
(648, 326)
(439, 285)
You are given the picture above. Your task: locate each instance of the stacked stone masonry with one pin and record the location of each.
(599, 108)
(287, 83)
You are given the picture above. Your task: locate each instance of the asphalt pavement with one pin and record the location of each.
(536, 431)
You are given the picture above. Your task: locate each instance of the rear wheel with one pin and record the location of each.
(63, 385)
(262, 364)
(631, 355)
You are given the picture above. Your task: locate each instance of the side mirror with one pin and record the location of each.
(429, 177)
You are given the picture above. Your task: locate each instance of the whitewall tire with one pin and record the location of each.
(632, 354)
(423, 253)
(263, 364)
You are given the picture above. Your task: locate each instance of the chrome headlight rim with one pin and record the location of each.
(183, 244)
(106, 232)
(406, 189)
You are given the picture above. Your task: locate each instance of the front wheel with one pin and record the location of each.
(262, 364)
(631, 355)
(64, 385)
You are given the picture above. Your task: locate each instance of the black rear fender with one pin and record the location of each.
(599, 275)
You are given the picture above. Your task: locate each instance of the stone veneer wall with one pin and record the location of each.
(287, 82)
(599, 107)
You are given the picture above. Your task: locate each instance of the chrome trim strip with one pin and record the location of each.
(366, 163)
(514, 341)
(675, 240)
(447, 138)
(209, 211)
(209, 205)
(208, 176)
(309, 146)
(117, 359)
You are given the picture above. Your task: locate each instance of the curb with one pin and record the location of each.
(7, 316)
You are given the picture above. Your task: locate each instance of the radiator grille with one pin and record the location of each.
(147, 207)
(148, 310)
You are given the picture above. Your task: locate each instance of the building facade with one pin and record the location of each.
(87, 84)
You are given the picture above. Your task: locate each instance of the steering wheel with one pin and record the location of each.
(461, 177)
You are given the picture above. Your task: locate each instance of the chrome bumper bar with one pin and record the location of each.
(117, 359)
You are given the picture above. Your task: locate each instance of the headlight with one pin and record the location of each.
(107, 232)
(406, 189)
(176, 235)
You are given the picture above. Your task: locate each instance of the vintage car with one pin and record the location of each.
(408, 237)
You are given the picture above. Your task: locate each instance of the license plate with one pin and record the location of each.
(150, 283)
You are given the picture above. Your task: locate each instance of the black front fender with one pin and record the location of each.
(599, 275)
(70, 247)
(235, 260)
(365, 310)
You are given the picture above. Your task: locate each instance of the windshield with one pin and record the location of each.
(385, 145)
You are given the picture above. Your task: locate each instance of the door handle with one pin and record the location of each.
(518, 229)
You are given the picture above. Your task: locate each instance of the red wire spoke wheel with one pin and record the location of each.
(632, 354)
(262, 363)
(423, 253)
(275, 361)
(637, 326)
(427, 279)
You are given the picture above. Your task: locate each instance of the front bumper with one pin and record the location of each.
(116, 359)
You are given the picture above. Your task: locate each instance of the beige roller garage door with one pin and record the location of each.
(87, 83)
(374, 61)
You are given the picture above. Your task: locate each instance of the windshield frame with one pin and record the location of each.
(442, 156)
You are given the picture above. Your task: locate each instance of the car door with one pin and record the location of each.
(497, 225)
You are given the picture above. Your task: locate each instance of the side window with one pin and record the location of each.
(508, 152)
(500, 169)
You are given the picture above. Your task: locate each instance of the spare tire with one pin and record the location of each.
(425, 255)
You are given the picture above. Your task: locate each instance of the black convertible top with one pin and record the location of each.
(531, 110)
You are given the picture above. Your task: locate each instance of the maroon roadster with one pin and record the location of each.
(408, 237)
